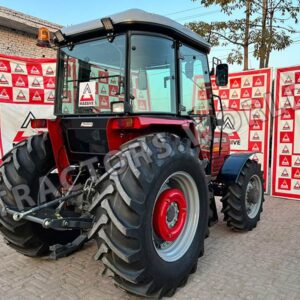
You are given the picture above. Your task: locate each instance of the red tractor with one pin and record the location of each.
(133, 159)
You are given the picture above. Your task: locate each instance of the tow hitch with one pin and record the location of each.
(50, 218)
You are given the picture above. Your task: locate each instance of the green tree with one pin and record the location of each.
(275, 35)
(262, 26)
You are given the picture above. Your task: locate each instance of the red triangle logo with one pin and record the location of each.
(4, 95)
(257, 104)
(104, 101)
(256, 126)
(285, 150)
(234, 105)
(286, 126)
(245, 105)
(286, 115)
(247, 82)
(34, 70)
(256, 136)
(20, 82)
(234, 94)
(257, 93)
(21, 95)
(36, 83)
(246, 94)
(49, 71)
(297, 162)
(51, 96)
(288, 91)
(50, 84)
(297, 186)
(3, 67)
(256, 115)
(297, 174)
(285, 162)
(3, 79)
(87, 94)
(287, 104)
(235, 84)
(258, 82)
(288, 79)
(36, 96)
(286, 138)
(284, 185)
(19, 69)
(224, 95)
(285, 173)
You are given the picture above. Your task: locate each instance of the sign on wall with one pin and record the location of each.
(27, 91)
(286, 155)
(246, 104)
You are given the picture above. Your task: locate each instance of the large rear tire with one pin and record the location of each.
(128, 229)
(243, 202)
(25, 165)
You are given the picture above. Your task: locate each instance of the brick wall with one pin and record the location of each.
(19, 43)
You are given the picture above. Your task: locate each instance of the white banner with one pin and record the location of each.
(15, 122)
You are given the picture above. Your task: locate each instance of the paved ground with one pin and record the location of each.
(262, 264)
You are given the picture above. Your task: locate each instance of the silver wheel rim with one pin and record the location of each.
(253, 196)
(172, 251)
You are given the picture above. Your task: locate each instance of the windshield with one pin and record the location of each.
(93, 76)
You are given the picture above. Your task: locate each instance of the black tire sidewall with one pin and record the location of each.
(252, 170)
(160, 269)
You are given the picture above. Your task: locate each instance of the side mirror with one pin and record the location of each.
(189, 69)
(142, 80)
(222, 75)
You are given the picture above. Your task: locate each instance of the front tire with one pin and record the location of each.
(243, 202)
(130, 243)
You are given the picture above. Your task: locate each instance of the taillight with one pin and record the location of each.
(126, 123)
(38, 123)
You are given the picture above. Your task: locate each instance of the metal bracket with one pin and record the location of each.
(68, 223)
(17, 215)
(59, 251)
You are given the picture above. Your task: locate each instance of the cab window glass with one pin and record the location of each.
(152, 74)
(195, 82)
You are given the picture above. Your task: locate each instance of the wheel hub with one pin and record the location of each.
(170, 214)
(253, 196)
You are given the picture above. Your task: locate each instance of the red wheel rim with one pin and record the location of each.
(170, 214)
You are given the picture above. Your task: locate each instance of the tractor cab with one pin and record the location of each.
(133, 66)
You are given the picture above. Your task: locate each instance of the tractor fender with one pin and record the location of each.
(233, 166)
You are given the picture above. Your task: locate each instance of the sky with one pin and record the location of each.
(69, 12)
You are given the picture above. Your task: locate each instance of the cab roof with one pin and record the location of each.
(141, 20)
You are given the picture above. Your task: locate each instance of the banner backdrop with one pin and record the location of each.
(246, 105)
(27, 91)
(286, 162)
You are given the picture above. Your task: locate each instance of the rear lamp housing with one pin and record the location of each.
(38, 123)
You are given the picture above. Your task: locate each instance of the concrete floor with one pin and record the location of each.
(262, 264)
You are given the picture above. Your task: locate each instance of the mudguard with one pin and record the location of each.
(233, 166)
